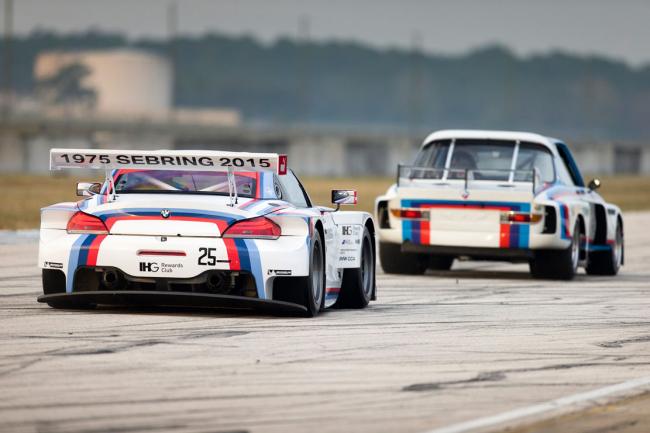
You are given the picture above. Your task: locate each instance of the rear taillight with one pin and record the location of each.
(520, 218)
(254, 228)
(410, 214)
(84, 223)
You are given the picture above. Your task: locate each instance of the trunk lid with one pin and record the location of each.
(466, 216)
(174, 215)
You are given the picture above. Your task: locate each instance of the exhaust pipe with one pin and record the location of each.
(111, 279)
(215, 281)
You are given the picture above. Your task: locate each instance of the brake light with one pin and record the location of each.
(521, 218)
(84, 223)
(413, 214)
(254, 228)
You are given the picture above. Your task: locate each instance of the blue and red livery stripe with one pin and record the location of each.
(510, 236)
(84, 252)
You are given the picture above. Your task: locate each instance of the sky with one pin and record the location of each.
(615, 29)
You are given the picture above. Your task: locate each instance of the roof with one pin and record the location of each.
(448, 134)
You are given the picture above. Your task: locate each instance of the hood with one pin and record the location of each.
(174, 215)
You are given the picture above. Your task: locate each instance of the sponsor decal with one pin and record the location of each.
(169, 267)
(53, 265)
(149, 267)
(279, 272)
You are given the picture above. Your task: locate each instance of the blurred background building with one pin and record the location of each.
(118, 82)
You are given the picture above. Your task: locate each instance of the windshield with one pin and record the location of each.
(183, 182)
(484, 160)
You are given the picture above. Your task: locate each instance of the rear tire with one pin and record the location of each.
(441, 263)
(608, 262)
(314, 290)
(558, 264)
(358, 284)
(394, 261)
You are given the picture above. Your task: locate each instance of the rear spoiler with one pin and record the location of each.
(192, 160)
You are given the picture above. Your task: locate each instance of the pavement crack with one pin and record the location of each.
(432, 386)
(621, 343)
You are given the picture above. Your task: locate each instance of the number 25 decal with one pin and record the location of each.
(207, 257)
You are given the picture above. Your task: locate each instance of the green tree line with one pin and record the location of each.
(349, 84)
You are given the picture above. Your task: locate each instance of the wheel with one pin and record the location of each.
(358, 284)
(314, 290)
(608, 262)
(394, 261)
(440, 263)
(558, 264)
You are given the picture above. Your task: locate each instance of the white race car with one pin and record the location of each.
(202, 228)
(497, 195)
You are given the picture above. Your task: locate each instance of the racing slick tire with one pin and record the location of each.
(440, 263)
(608, 262)
(394, 261)
(358, 284)
(558, 264)
(314, 291)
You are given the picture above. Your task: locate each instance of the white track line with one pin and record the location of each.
(553, 405)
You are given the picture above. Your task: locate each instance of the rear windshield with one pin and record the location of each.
(484, 160)
(183, 182)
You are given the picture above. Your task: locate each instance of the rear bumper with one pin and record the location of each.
(479, 253)
(174, 299)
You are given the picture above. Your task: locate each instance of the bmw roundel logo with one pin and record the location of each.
(165, 213)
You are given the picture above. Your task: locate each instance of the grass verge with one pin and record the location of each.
(23, 195)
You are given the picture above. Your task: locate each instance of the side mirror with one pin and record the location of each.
(344, 196)
(594, 184)
(88, 189)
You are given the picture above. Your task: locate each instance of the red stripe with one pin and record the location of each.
(233, 254)
(504, 235)
(93, 250)
(425, 238)
(333, 290)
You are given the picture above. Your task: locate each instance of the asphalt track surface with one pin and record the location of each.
(433, 351)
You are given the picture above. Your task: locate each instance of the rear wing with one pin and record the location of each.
(408, 175)
(192, 160)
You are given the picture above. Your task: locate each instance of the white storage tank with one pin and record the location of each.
(126, 82)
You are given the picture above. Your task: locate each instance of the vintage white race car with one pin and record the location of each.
(202, 228)
(497, 195)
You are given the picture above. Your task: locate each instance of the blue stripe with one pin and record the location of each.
(563, 222)
(524, 235)
(514, 236)
(252, 262)
(417, 203)
(600, 248)
(249, 259)
(73, 260)
(267, 189)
